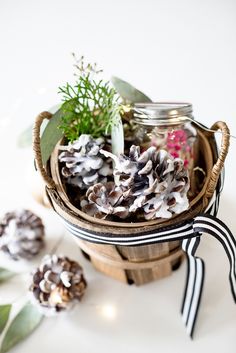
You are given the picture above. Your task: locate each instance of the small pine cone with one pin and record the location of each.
(21, 234)
(84, 164)
(104, 200)
(57, 284)
(158, 182)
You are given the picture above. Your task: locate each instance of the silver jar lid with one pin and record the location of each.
(163, 113)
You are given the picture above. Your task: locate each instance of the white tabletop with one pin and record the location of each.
(184, 51)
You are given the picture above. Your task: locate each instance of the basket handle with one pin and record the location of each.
(37, 149)
(216, 170)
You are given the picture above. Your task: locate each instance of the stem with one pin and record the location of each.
(56, 246)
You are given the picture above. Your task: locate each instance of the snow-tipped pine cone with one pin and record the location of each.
(21, 234)
(103, 201)
(156, 183)
(57, 284)
(84, 165)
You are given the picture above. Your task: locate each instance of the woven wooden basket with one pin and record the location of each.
(133, 264)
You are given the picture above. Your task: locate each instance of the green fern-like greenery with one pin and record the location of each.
(90, 106)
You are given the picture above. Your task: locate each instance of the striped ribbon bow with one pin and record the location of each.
(210, 225)
(189, 233)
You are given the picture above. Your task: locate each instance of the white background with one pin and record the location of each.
(172, 50)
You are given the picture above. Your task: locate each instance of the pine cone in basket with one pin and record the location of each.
(104, 200)
(21, 234)
(84, 164)
(156, 183)
(57, 284)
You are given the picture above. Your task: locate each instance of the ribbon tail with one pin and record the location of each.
(194, 284)
(211, 225)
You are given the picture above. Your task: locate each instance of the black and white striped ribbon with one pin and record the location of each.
(189, 233)
(195, 266)
(194, 284)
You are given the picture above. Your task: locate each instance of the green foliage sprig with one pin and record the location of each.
(90, 105)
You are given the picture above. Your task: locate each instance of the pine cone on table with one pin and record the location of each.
(104, 200)
(156, 182)
(21, 234)
(84, 165)
(57, 284)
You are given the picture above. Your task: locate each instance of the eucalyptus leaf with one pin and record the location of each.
(117, 140)
(4, 315)
(5, 274)
(117, 137)
(22, 325)
(128, 92)
(25, 137)
(51, 135)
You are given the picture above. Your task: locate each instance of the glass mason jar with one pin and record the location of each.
(167, 126)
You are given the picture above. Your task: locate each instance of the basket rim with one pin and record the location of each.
(70, 217)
